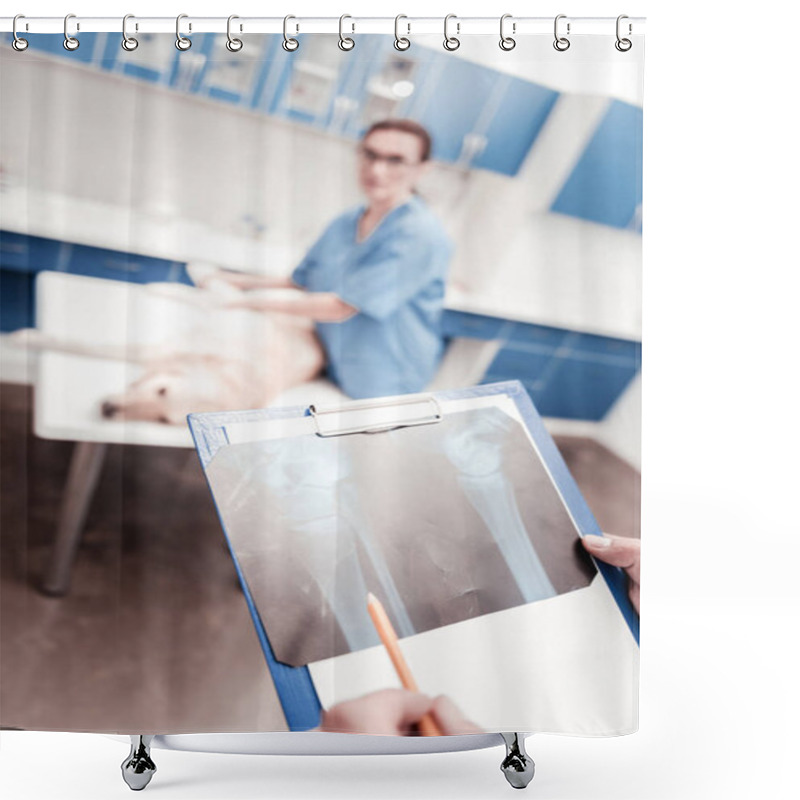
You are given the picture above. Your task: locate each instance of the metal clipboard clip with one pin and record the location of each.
(376, 416)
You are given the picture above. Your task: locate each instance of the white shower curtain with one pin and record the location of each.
(220, 229)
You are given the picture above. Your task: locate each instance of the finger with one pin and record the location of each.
(450, 719)
(619, 551)
(634, 594)
(387, 711)
(360, 715)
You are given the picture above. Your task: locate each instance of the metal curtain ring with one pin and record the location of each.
(233, 45)
(18, 43)
(401, 42)
(289, 44)
(561, 43)
(70, 42)
(623, 45)
(181, 42)
(128, 43)
(451, 42)
(345, 42)
(506, 42)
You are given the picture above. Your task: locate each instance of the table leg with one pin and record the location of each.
(84, 471)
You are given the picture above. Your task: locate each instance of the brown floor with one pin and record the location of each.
(153, 580)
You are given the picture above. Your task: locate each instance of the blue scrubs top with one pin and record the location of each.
(396, 280)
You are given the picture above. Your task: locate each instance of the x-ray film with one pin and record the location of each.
(442, 522)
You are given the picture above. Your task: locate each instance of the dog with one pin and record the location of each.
(217, 358)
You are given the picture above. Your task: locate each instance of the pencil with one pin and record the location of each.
(427, 725)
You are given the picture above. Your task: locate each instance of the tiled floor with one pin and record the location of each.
(155, 633)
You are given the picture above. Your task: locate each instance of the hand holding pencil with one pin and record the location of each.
(398, 712)
(427, 725)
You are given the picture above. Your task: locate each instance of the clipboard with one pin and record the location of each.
(364, 424)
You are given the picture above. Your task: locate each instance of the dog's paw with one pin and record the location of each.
(201, 272)
(223, 292)
(179, 292)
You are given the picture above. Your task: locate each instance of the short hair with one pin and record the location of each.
(407, 126)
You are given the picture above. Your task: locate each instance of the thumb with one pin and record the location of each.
(619, 551)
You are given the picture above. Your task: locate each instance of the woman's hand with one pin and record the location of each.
(619, 551)
(238, 280)
(388, 712)
(394, 712)
(206, 276)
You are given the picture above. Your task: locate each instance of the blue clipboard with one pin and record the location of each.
(295, 688)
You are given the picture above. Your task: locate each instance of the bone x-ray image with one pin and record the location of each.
(442, 522)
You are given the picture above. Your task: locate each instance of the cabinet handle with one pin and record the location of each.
(13, 247)
(122, 266)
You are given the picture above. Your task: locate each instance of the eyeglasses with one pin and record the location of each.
(392, 162)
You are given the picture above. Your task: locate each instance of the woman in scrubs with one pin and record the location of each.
(374, 280)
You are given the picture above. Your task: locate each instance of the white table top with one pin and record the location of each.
(70, 388)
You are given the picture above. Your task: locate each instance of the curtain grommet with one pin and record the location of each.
(128, 43)
(289, 43)
(451, 43)
(18, 43)
(623, 44)
(70, 42)
(346, 43)
(181, 42)
(401, 43)
(561, 43)
(507, 43)
(233, 44)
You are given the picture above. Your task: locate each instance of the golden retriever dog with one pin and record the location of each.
(215, 359)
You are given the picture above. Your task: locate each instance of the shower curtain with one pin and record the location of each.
(266, 221)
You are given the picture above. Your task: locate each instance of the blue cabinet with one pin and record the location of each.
(578, 387)
(493, 130)
(520, 113)
(568, 374)
(475, 326)
(89, 49)
(478, 116)
(238, 78)
(606, 183)
(318, 84)
(29, 253)
(22, 256)
(451, 104)
(386, 84)
(98, 262)
(16, 300)
(157, 60)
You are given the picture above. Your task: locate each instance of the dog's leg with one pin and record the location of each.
(33, 339)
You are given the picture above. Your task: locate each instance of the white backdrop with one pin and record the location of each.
(721, 607)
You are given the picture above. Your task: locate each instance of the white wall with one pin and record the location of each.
(621, 428)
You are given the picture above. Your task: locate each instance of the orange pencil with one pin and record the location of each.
(427, 726)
